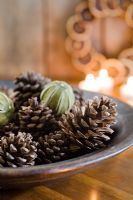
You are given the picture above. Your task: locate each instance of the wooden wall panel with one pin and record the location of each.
(32, 34)
(21, 37)
(7, 36)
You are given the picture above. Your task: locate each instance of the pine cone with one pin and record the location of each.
(17, 150)
(52, 148)
(36, 118)
(28, 85)
(10, 127)
(89, 126)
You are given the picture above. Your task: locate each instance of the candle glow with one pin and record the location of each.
(127, 89)
(102, 83)
(89, 83)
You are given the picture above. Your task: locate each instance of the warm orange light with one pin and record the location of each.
(89, 83)
(102, 83)
(127, 89)
(93, 195)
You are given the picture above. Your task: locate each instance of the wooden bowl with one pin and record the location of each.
(50, 173)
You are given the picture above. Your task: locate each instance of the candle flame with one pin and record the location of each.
(130, 81)
(103, 73)
(89, 77)
(89, 83)
(102, 83)
(127, 90)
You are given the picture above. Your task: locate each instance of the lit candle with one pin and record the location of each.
(89, 83)
(127, 89)
(104, 82)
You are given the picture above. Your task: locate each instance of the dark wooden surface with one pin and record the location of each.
(109, 180)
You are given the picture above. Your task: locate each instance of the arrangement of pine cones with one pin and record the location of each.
(36, 134)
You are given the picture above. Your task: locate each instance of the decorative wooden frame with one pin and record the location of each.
(78, 44)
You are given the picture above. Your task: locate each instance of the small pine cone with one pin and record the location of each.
(89, 126)
(28, 85)
(36, 118)
(102, 111)
(17, 150)
(52, 148)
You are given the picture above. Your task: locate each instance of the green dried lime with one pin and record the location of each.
(59, 96)
(6, 109)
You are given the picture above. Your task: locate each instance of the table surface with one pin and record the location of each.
(109, 180)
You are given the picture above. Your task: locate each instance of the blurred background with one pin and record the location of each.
(33, 34)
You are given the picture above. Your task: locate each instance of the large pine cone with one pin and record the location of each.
(89, 126)
(28, 85)
(36, 118)
(17, 150)
(52, 148)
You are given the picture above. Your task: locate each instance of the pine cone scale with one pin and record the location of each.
(12, 148)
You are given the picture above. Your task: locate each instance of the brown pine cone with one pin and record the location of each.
(52, 148)
(11, 127)
(28, 85)
(89, 126)
(17, 150)
(35, 118)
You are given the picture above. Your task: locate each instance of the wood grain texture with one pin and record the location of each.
(59, 63)
(32, 38)
(21, 37)
(109, 180)
(30, 30)
(33, 32)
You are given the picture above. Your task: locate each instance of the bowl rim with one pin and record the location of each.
(77, 162)
(69, 164)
